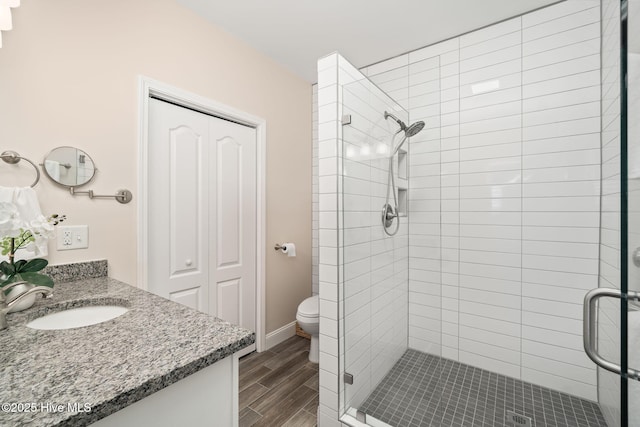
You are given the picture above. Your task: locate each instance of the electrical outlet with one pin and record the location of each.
(73, 237)
(67, 236)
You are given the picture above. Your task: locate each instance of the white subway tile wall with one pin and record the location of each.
(426, 244)
(329, 134)
(514, 155)
(504, 197)
(490, 177)
(450, 204)
(424, 205)
(315, 220)
(556, 253)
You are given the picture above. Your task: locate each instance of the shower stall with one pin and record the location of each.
(470, 195)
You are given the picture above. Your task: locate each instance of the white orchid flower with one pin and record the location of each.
(10, 222)
(42, 227)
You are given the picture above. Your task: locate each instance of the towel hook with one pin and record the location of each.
(13, 158)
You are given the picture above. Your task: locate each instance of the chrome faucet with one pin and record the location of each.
(5, 307)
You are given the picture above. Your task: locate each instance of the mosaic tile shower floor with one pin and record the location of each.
(427, 390)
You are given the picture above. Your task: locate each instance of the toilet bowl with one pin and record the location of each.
(308, 317)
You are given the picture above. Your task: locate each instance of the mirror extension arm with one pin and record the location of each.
(122, 196)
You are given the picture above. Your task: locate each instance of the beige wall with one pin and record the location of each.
(68, 76)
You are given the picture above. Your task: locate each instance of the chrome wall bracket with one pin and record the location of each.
(348, 378)
(346, 119)
(122, 196)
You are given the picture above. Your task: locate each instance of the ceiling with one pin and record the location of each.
(296, 33)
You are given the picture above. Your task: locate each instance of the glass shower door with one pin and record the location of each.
(612, 332)
(375, 263)
(630, 143)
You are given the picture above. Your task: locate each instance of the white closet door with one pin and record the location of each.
(232, 222)
(178, 244)
(202, 212)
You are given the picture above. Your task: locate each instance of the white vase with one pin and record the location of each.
(26, 302)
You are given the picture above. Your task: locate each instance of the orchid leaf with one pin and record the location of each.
(7, 268)
(34, 265)
(19, 265)
(36, 279)
(8, 280)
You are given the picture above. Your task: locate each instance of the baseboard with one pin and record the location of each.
(276, 337)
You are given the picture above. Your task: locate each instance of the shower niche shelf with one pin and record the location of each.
(402, 165)
(402, 182)
(402, 201)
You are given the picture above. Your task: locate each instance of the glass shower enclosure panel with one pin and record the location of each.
(630, 139)
(618, 297)
(376, 262)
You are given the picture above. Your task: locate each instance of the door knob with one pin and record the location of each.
(188, 263)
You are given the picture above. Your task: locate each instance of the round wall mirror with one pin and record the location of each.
(69, 166)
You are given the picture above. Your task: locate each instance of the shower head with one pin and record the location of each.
(408, 133)
(402, 125)
(414, 129)
(410, 130)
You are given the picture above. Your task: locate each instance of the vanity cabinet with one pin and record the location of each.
(208, 397)
(159, 364)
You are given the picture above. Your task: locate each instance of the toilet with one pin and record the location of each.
(308, 317)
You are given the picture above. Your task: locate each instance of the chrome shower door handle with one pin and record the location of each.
(589, 328)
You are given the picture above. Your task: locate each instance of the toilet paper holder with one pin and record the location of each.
(287, 248)
(280, 247)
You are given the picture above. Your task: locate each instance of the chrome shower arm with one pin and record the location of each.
(402, 125)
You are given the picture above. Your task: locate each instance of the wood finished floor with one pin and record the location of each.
(279, 387)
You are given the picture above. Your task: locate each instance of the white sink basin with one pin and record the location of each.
(77, 317)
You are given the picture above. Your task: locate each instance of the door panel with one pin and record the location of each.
(185, 177)
(202, 220)
(229, 193)
(233, 228)
(228, 300)
(188, 297)
(178, 197)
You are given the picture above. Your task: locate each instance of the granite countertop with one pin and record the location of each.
(110, 365)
